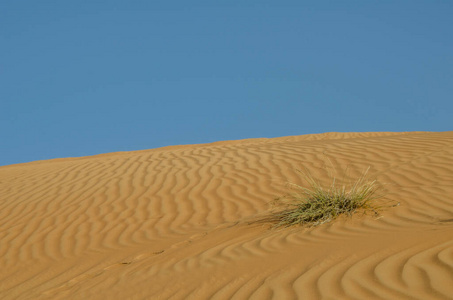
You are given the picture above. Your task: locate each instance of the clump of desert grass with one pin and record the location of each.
(313, 203)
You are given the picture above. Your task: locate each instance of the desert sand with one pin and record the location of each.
(180, 223)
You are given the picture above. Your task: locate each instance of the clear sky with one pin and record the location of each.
(81, 77)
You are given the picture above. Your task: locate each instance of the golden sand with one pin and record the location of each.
(175, 223)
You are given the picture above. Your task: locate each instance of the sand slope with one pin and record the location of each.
(177, 223)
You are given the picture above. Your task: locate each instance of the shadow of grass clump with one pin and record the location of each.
(315, 204)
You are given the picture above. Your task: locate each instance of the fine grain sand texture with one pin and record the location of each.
(179, 223)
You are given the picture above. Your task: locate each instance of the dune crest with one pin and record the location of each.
(177, 223)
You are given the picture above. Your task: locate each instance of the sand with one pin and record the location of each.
(179, 223)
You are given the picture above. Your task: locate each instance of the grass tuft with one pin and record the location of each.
(315, 204)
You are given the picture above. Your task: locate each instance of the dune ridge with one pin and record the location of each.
(178, 223)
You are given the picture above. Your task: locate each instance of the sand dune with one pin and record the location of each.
(179, 223)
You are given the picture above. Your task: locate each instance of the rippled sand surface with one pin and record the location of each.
(178, 223)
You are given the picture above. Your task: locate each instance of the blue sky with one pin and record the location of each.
(81, 78)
